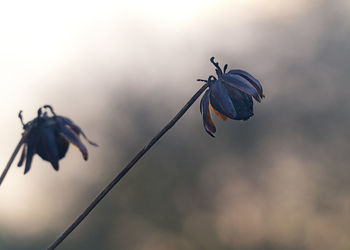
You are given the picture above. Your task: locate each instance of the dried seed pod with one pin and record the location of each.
(229, 96)
(49, 137)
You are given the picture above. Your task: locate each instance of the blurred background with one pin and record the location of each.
(122, 69)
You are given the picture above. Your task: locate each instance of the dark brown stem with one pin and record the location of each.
(126, 169)
(12, 158)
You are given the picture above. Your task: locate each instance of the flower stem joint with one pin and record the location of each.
(229, 95)
(49, 137)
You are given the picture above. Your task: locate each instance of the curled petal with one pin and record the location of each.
(62, 146)
(76, 129)
(242, 102)
(222, 117)
(29, 159)
(32, 142)
(72, 137)
(255, 82)
(47, 147)
(220, 100)
(237, 81)
(23, 155)
(207, 118)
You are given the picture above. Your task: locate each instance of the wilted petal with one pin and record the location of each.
(72, 137)
(47, 148)
(29, 159)
(242, 84)
(220, 100)
(221, 116)
(242, 102)
(76, 129)
(23, 155)
(207, 118)
(32, 142)
(62, 146)
(256, 83)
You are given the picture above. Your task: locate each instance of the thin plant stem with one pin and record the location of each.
(126, 169)
(12, 157)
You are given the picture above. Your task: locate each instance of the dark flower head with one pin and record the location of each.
(229, 95)
(49, 137)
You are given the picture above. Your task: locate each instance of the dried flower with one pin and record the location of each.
(49, 137)
(229, 95)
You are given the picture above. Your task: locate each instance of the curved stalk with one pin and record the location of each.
(12, 157)
(126, 169)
